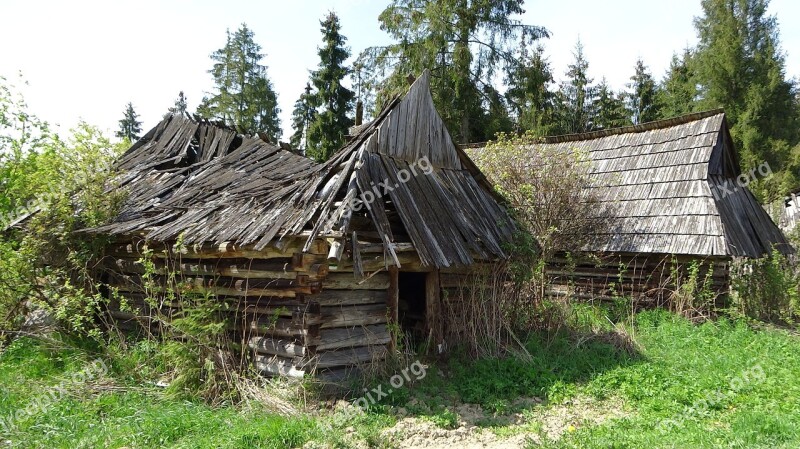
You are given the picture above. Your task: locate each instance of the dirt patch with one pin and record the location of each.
(528, 427)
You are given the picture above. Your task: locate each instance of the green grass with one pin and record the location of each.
(719, 384)
(131, 417)
(749, 380)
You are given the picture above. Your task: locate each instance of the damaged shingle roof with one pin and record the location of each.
(204, 183)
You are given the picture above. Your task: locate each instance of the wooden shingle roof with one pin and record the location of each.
(204, 183)
(660, 184)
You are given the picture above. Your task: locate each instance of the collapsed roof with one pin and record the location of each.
(202, 182)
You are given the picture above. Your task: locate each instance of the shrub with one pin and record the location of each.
(546, 189)
(767, 288)
(52, 188)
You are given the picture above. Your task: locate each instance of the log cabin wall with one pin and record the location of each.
(648, 277)
(294, 314)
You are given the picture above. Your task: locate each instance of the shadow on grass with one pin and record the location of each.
(559, 363)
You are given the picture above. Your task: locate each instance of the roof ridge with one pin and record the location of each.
(643, 127)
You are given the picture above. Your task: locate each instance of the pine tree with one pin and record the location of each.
(179, 108)
(129, 126)
(575, 100)
(464, 44)
(678, 91)
(740, 67)
(610, 110)
(529, 95)
(328, 132)
(244, 97)
(642, 99)
(303, 115)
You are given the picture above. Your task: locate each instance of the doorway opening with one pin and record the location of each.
(411, 305)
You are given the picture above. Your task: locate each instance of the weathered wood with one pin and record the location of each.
(225, 250)
(343, 316)
(348, 356)
(336, 338)
(392, 303)
(350, 297)
(278, 366)
(433, 319)
(371, 262)
(346, 281)
(271, 346)
(280, 327)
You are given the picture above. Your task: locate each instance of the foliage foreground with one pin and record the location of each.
(718, 384)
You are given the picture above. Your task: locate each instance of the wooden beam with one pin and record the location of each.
(392, 303)
(433, 321)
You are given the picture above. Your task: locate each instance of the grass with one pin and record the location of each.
(96, 414)
(719, 384)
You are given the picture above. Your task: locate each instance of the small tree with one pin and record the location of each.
(546, 189)
(179, 108)
(303, 115)
(529, 95)
(129, 127)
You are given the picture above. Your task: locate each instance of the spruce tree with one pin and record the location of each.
(464, 45)
(328, 131)
(529, 95)
(642, 97)
(129, 126)
(678, 91)
(243, 97)
(179, 108)
(610, 110)
(575, 100)
(739, 66)
(303, 115)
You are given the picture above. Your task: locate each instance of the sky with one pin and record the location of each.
(85, 60)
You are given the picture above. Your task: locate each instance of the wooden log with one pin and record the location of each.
(280, 327)
(350, 297)
(278, 366)
(349, 337)
(344, 316)
(237, 268)
(433, 321)
(336, 251)
(214, 286)
(347, 281)
(272, 346)
(348, 356)
(225, 250)
(307, 262)
(392, 303)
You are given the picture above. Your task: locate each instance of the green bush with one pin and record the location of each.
(52, 187)
(767, 289)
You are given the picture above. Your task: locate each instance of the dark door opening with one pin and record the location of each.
(411, 305)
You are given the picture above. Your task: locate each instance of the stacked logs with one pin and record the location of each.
(285, 305)
(648, 277)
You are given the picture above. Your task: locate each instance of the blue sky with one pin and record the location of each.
(87, 59)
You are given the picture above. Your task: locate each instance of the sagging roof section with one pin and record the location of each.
(661, 185)
(204, 183)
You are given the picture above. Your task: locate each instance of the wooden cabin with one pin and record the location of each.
(671, 196)
(314, 262)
